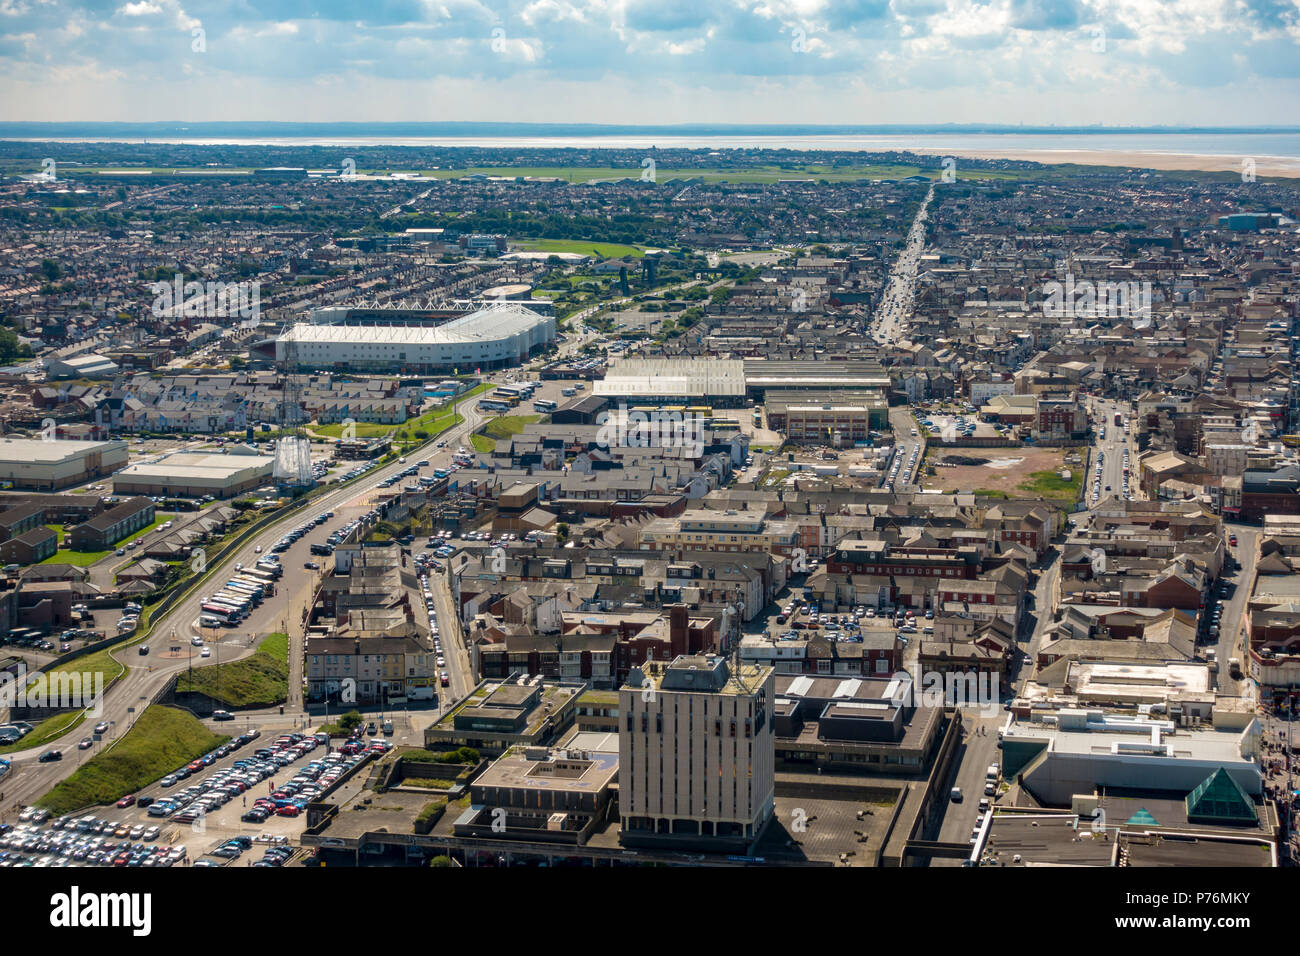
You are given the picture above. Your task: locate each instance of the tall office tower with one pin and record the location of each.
(696, 753)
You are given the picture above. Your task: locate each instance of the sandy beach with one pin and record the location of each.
(1264, 165)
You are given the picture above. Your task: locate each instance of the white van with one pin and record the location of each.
(992, 772)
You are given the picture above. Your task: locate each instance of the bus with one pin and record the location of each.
(265, 577)
(1291, 441)
(221, 613)
(255, 592)
(237, 599)
(240, 602)
(271, 568)
(263, 588)
(545, 405)
(507, 390)
(494, 406)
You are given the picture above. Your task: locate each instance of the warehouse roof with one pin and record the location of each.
(188, 465)
(36, 451)
(685, 377)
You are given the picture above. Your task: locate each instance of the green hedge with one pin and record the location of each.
(429, 816)
(463, 755)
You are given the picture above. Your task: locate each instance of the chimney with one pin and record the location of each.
(679, 629)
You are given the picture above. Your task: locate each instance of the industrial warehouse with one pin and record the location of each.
(492, 337)
(730, 383)
(190, 473)
(58, 463)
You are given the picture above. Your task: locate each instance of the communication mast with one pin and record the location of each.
(292, 472)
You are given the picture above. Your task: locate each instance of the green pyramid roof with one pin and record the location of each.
(1143, 816)
(1220, 799)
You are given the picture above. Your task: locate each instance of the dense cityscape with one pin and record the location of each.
(595, 508)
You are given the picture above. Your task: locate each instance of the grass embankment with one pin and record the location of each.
(84, 668)
(501, 428)
(47, 730)
(261, 680)
(162, 739)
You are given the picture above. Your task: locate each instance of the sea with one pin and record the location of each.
(1280, 144)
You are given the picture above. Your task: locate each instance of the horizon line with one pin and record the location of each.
(616, 128)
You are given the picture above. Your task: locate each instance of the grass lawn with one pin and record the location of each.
(433, 421)
(83, 559)
(260, 680)
(774, 477)
(364, 429)
(162, 739)
(604, 250)
(1049, 484)
(101, 662)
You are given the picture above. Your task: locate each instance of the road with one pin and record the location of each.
(1232, 641)
(911, 449)
(977, 750)
(890, 321)
(1117, 440)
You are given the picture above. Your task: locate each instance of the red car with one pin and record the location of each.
(1232, 540)
(127, 801)
(289, 810)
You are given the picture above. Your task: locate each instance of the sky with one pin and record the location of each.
(655, 62)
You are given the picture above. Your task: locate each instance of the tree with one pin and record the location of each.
(10, 347)
(562, 531)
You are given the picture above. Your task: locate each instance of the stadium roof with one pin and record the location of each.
(487, 324)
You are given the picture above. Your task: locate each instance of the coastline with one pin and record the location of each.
(1144, 159)
(1266, 164)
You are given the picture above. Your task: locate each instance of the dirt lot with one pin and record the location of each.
(1007, 468)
